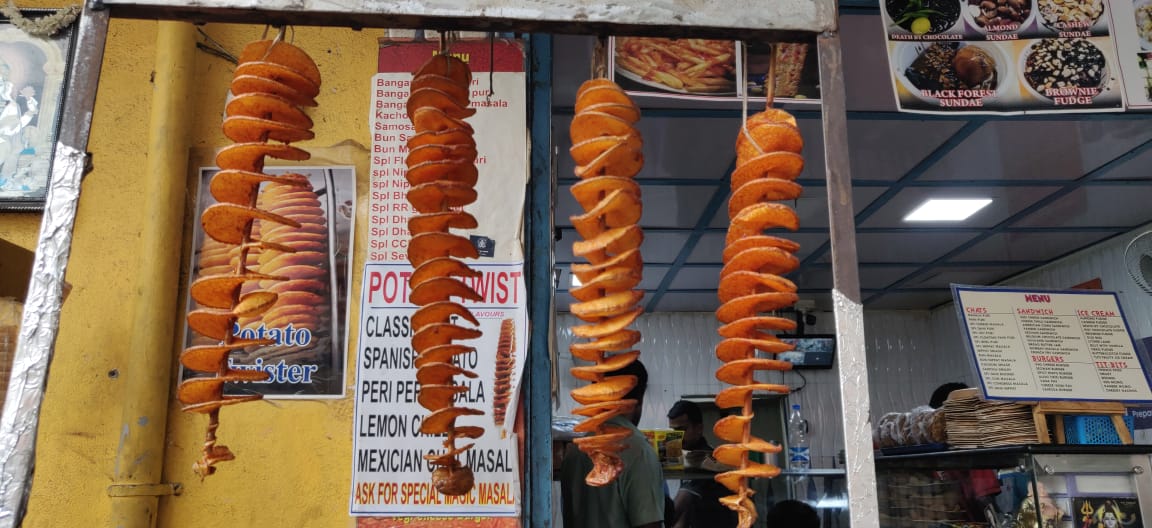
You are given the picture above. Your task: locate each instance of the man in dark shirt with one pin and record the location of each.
(792, 514)
(698, 501)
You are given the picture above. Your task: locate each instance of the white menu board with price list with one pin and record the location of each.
(1051, 345)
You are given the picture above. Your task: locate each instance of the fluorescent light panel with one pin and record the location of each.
(949, 210)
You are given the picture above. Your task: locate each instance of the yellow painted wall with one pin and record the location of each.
(20, 229)
(294, 457)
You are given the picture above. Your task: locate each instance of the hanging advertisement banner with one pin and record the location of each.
(391, 479)
(1132, 25)
(712, 70)
(309, 320)
(390, 475)
(1002, 56)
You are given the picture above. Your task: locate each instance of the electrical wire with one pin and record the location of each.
(805, 380)
(212, 47)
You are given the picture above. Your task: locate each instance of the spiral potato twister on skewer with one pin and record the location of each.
(442, 173)
(607, 150)
(273, 80)
(767, 163)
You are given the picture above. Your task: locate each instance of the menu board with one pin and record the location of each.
(1132, 26)
(1051, 345)
(1002, 56)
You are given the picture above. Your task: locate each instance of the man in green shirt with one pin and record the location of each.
(636, 498)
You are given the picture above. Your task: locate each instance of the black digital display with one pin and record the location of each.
(813, 351)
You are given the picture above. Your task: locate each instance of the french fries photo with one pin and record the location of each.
(686, 65)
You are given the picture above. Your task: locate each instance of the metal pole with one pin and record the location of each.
(849, 311)
(541, 190)
(41, 319)
(144, 412)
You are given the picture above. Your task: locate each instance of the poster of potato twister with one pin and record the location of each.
(1002, 56)
(1105, 512)
(32, 74)
(712, 70)
(306, 266)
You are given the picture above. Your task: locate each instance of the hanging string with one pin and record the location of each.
(744, 98)
(445, 42)
(214, 47)
(770, 81)
(600, 58)
(45, 26)
(769, 93)
(491, 66)
(744, 101)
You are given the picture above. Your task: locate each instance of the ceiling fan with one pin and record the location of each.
(1138, 261)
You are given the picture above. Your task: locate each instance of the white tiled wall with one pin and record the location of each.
(1104, 261)
(678, 349)
(905, 361)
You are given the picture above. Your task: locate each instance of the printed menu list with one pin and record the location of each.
(389, 209)
(499, 102)
(390, 472)
(1052, 345)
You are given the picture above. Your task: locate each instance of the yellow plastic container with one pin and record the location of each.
(668, 444)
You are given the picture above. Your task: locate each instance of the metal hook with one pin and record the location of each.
(446, 38)
(744, 99)
(770, 79)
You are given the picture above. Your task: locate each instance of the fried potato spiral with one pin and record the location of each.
(767, 163)
(273, 80)
(607, 150)
(442, 172)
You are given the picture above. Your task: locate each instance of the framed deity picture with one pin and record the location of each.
(33, 71)
(1106, 512)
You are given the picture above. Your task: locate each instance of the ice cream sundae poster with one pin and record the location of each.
(1002, 56)
(1132, 30)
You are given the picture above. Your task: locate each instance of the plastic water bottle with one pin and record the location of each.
(799, 457)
